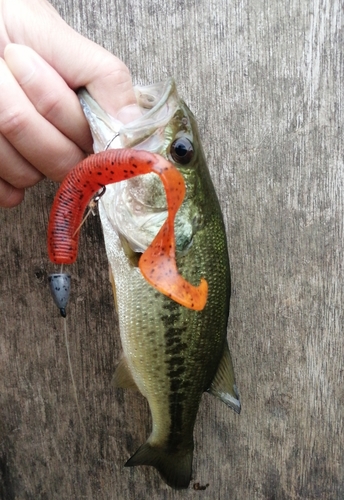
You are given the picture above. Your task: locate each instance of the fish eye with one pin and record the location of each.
(182, 150)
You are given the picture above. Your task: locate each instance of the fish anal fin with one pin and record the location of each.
(174, 467)
(223, 386)
(123, 378)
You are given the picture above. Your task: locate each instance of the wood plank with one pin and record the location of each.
(265, 82)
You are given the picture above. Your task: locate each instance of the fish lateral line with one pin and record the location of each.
(108, 167)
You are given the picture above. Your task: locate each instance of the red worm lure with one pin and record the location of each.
(158, 263)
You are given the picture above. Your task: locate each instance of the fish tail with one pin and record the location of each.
(174, 467)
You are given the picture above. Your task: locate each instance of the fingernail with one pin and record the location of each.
(129, 113)
(21, 61)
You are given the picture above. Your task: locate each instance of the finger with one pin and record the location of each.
(14, 169)
(49, 93)
(79, 61)
(36, 139)
(9, 195)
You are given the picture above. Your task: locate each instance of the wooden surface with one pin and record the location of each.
(265, 82)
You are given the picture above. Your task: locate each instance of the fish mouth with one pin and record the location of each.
(136, 209)
(156, 105)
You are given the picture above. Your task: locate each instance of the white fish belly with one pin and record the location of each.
(141, 329)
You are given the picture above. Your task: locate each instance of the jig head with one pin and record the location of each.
(59, 285)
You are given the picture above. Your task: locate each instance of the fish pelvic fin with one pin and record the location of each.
(175, 468)
(123, 377)
(223, 386)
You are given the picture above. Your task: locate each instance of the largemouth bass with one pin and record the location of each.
(172, 353)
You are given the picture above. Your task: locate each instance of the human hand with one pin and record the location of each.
(43, 132)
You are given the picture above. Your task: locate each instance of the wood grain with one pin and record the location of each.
(265, 80)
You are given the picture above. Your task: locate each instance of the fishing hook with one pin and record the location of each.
(111, 141)
(97, 196)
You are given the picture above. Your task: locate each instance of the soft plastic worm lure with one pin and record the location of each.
(158, 263)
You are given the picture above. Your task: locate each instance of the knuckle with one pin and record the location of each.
(26, 180)
(65, 163)
(10, 196)
(122, 74)
(13, 121)
(49, 105)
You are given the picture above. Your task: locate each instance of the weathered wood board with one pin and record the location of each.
(265, 80)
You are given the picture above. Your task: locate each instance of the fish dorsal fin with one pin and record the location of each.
(223, 386)
(123, 378)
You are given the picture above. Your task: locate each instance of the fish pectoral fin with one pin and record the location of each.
(223, 386)
(123, 378)
(132, 256)
(174, 467)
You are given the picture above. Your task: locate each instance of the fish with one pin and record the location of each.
(160, 240)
